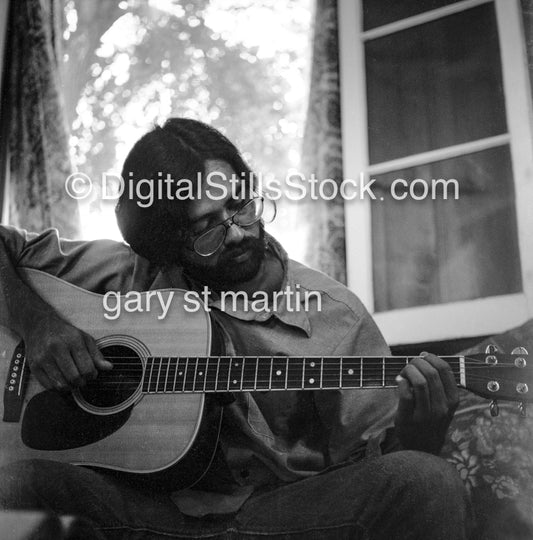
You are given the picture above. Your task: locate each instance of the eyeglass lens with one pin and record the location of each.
(211, 240)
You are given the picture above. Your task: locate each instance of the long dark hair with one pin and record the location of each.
(180, 149)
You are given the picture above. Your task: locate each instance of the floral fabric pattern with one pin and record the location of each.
(322, 148)
(494, 455)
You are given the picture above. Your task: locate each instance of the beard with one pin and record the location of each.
(227, 271)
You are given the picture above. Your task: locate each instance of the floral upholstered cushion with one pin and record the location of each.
(494, 455)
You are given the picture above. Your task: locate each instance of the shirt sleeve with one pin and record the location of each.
(358, 420)
(98, 265)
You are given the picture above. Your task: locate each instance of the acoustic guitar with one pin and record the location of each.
(154, 414)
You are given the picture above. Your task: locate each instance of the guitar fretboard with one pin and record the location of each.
(261, 373)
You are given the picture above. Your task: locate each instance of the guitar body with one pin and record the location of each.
(155, 416)
(157, 436)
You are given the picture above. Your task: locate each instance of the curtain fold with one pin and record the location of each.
(37, 132)
(322, 149)
(527, 12)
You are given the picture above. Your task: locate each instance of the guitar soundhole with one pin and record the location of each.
(113, 387)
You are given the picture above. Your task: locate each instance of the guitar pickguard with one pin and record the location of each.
(54, 421)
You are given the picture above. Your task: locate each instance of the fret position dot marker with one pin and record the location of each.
(350, 371)
(312, 364)
(180, 373)
(234, 381)
(278, 373)
(201, 373)
(311, 381)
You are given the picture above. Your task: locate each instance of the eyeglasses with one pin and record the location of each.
(208, 242)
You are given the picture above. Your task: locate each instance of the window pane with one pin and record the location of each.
(380, 12)
(437, 251)
(130, 65)
(435, 85)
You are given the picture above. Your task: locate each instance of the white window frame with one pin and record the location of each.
(454, 319)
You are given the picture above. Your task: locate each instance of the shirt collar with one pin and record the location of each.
(285, 309)
(285, 313)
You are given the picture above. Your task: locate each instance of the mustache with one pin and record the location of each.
(247, 244)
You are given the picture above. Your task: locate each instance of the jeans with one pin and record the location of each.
(403, 495)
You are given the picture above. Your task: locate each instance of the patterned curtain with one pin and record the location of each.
(322, 151)
(527, 10)
(37, 134)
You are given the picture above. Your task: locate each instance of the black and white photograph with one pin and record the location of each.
(266, 269)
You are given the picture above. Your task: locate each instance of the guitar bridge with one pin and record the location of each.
(15, 386)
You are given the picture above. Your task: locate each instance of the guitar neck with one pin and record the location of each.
(262, 373)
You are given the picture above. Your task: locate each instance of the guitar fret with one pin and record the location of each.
(249, 372)
(331, 374)
(175, 362)
(146, 380)
(383, 371)
(321, 372)
(223, 374)
(199, 381)
(271, 366)
(161, 376)
(211, 370)
(166, 374)
(216, 376)
(263, 370)
(342, 372)
(256, 366)
(185, 374)
(351, 372)
(158, 375)
(205, 375)
(195, 368)
(311, 368)
(152, 388)
(235, 375)
(190, 375)
(391, 371)
(286, 371)
(372, 372)
(182, 364)
(279, 373)
(361, 375)
(294, 373)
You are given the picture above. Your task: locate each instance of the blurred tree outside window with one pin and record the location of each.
(239, 65)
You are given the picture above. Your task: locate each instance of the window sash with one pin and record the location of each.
(490, 314)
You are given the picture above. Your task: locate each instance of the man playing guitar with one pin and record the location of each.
(331, 464)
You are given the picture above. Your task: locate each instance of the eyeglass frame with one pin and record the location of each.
(228, 223)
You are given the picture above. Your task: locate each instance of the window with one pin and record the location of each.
(438, 91)
(130, 64)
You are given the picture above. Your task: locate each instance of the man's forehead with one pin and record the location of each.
(213, 166)
(211, 198)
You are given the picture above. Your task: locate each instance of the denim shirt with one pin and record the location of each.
(267, 437)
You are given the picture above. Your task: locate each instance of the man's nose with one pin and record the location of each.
(234, 234)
